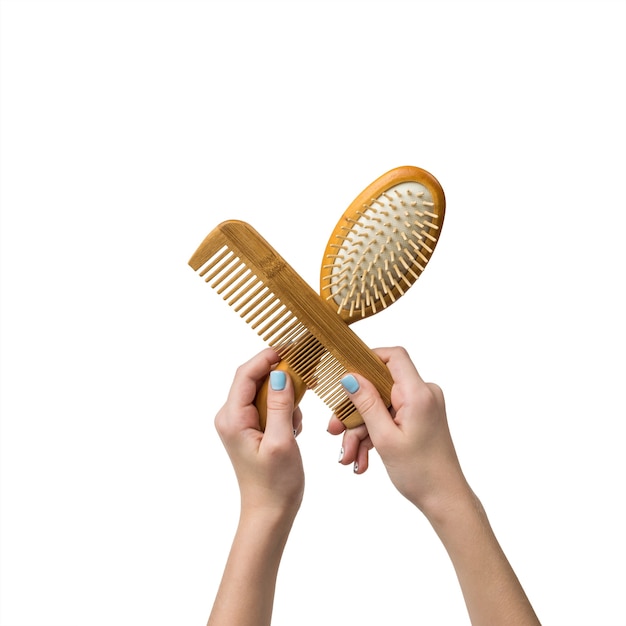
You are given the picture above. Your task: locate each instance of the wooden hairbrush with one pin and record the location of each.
(378, 249)
(315, 343)
(382, 243)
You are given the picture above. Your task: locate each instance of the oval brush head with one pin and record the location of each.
(382, 243)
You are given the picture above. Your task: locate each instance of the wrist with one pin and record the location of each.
(448, 507)
(266, 505)
(273, 519)
(458, 520)
(263, 534)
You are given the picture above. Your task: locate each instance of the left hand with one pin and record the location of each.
(268, 465)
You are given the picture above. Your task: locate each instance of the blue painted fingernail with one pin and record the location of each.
(278, 380)
(350, 383)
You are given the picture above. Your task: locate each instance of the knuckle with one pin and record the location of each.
(366, 403)
(276, 447)
(400, 351)
(436, 393)
(241, 371)
(278, 404)
(223, 424)
(430, 400)
(218, 422)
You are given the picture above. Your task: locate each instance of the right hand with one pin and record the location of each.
(412, 438)
(268, 465)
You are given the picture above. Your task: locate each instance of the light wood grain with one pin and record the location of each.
(314, 341)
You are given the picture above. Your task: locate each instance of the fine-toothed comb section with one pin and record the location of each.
(288, 315)
(382, 242)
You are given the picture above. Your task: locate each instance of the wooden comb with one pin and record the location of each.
(315, 343)
(378, 249)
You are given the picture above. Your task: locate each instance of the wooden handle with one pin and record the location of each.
(288, 315)
(299, 387)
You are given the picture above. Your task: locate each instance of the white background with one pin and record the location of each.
(130, 129)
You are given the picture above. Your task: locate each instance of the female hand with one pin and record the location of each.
(268, 464)
(412, 437)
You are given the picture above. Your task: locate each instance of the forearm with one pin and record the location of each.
(246, 593)
(492, 592)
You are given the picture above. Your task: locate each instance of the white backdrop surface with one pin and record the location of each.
(129, 129)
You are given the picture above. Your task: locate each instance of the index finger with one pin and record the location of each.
(400, 365)
(249, 376)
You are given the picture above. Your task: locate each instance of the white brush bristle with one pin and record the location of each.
(382, 249)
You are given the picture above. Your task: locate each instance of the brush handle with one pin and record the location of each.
(299, 387)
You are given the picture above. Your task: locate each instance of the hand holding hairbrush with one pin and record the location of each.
(378, 249)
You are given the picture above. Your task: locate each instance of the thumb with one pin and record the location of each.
(280, 407)
(370, 405)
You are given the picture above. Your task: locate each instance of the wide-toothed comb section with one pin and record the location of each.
(264, 311)
(381, 249)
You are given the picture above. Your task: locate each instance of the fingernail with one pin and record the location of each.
(278, 380)
(350, 383)
(340, 455)
(356, 467)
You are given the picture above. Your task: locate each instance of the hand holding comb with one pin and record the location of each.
(272, 297)
(378, 249)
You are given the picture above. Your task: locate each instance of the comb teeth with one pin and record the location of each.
(280, 328)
